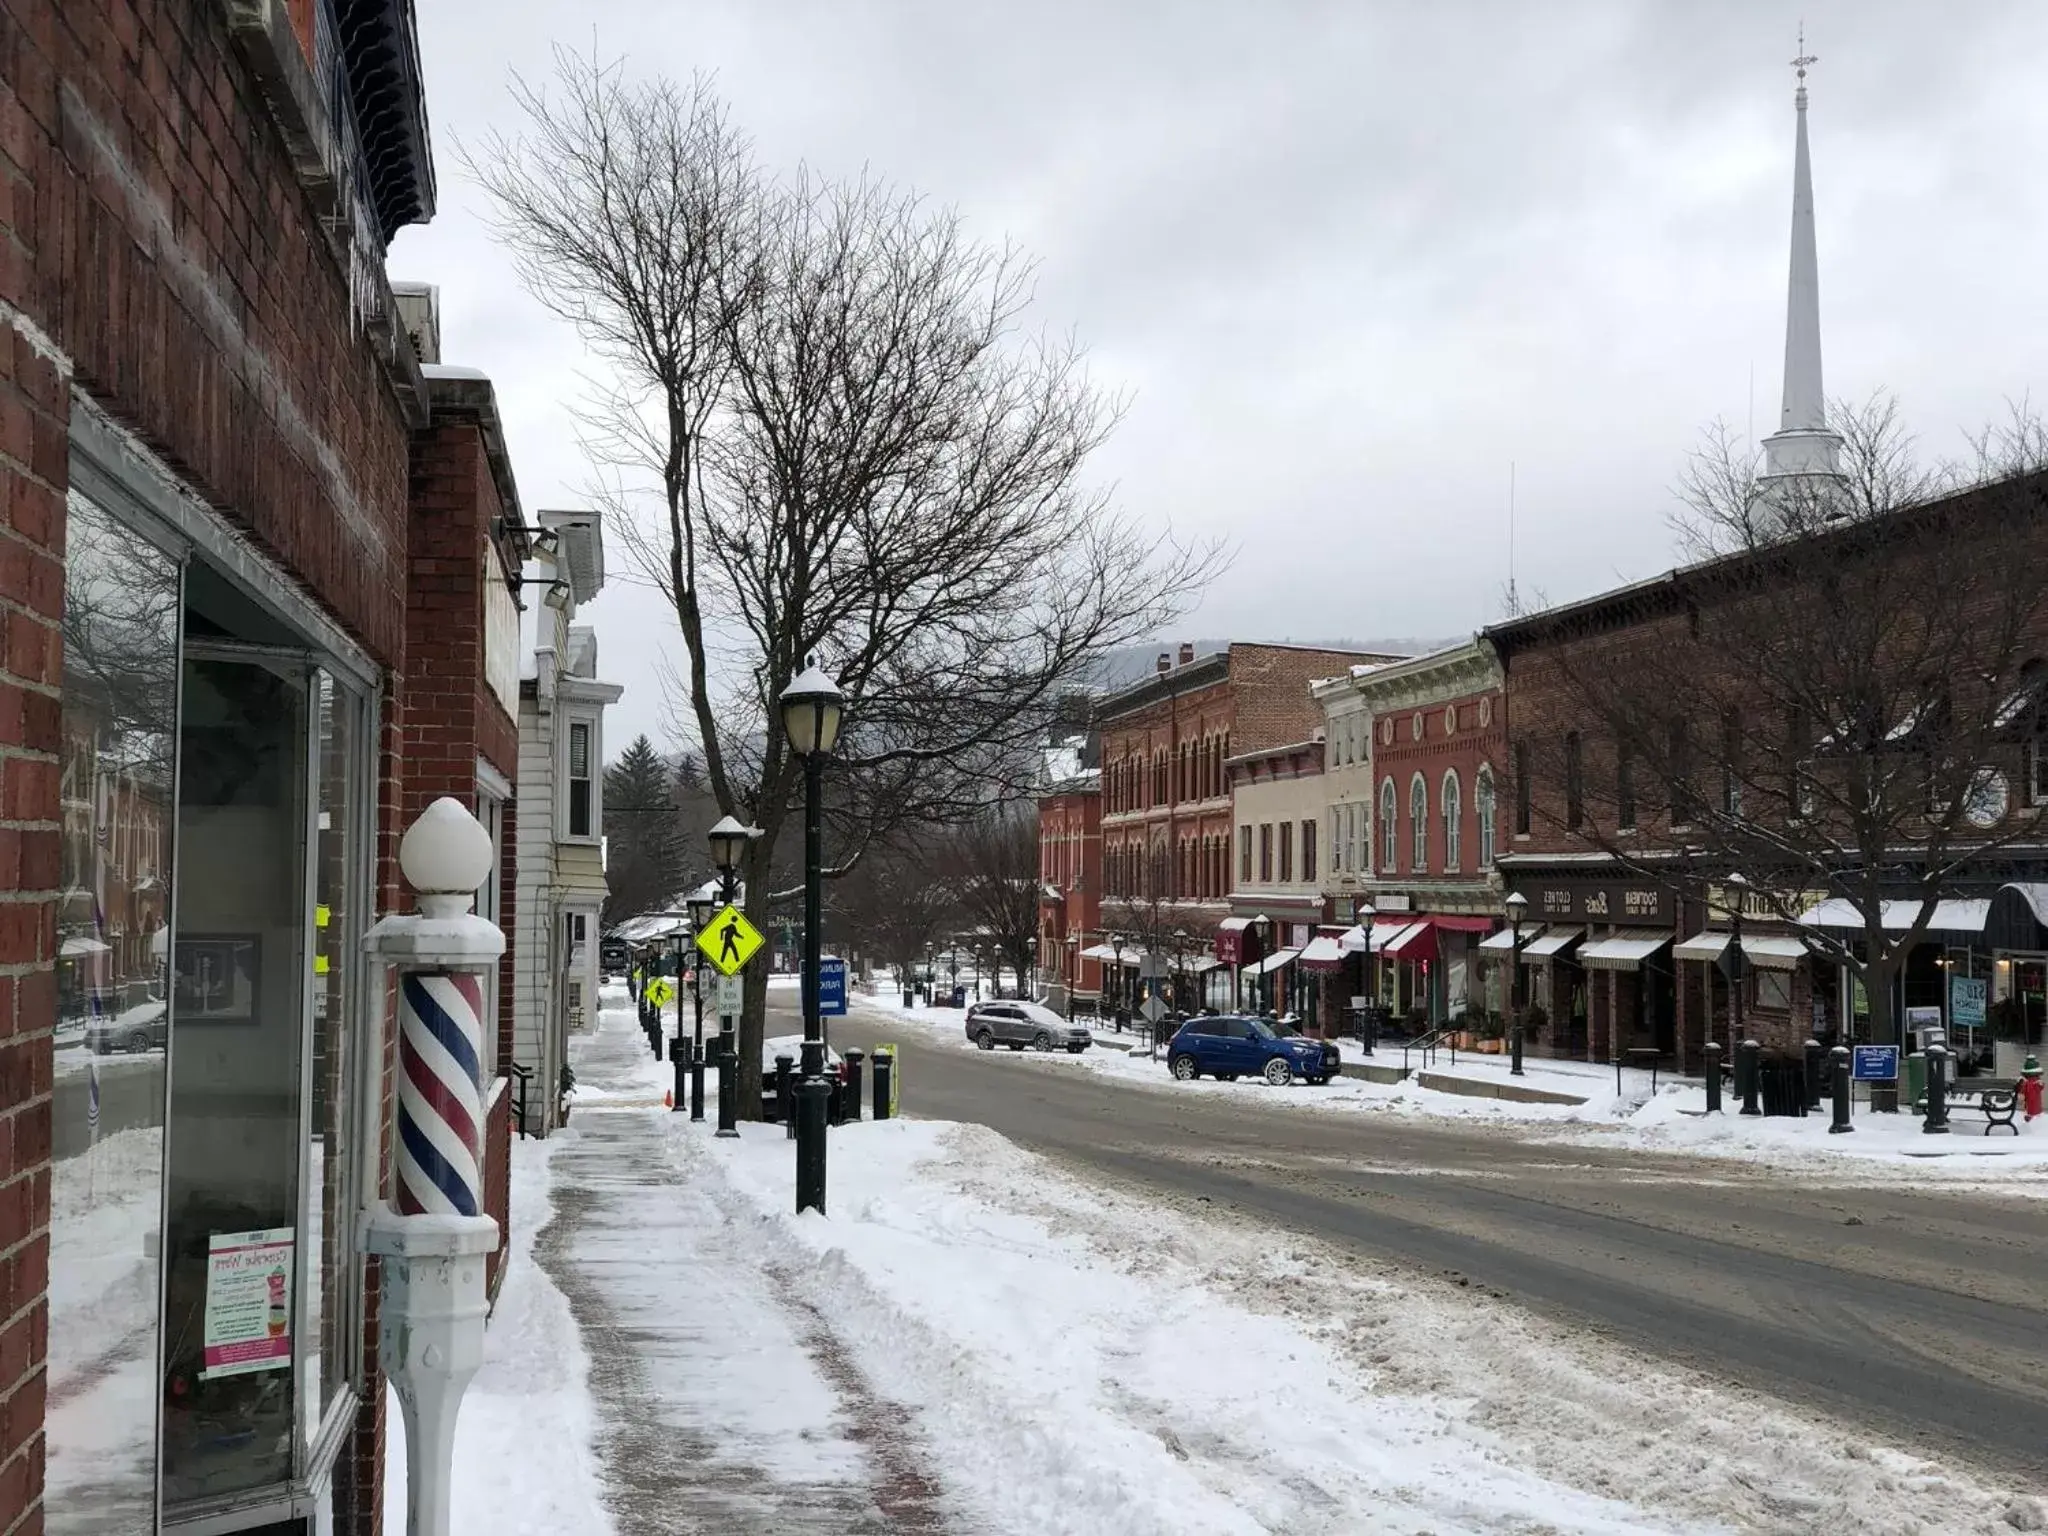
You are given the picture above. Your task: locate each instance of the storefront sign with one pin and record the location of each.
(1600, 901)
(248, 1302)
(1875, 1063)
(1230, 945)
(1392, 901)
(1966, 1000)
(1765, 906)
(501, 634)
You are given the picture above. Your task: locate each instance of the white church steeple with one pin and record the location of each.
(1802, 445)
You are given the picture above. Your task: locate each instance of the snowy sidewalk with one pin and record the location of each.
(723, 1403)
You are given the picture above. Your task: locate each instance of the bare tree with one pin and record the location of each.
(827, 436)
(1841, 699)
(992, 866)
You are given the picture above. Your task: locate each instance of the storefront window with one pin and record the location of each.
(121, 628)
(240, 965)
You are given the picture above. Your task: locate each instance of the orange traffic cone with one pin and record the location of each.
(668, 1098)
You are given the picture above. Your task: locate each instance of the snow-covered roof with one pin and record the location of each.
(454, 371)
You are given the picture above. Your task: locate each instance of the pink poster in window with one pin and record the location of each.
(248, 1302)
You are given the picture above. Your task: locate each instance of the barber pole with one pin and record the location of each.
(440, 1094)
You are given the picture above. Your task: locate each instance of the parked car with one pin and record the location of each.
(144, 1027)
(1288, 1026)
(1230, 1046)
(792, 1046)
(1017, 1025)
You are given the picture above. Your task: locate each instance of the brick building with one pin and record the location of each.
(1277, 808)
(1436, 731)
(255, 563)
(1070, 873)
(1167, 820)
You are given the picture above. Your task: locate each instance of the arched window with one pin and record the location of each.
(1454, 815)
(1418, 824)
(1389, 821)
(1482, 798)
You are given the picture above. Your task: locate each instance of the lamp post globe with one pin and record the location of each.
(812, 707)
(728, 841)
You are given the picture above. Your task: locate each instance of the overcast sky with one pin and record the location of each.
(1352, 260)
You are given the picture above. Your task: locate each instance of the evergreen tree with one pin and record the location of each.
(643, 830)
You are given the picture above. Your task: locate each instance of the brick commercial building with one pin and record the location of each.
(1070, 872)
(257, 567)
(1435, 730)
(1167, 821)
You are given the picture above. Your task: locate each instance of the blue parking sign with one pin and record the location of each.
(831, 989)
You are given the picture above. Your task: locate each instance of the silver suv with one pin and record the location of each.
(1020, 1024)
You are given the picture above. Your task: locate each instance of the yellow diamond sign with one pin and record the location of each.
(729, 941)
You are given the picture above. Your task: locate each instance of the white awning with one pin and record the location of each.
(1623, 952)
(1505, 939)
(1553, 940)
(1701, 946)
(78, 946)
(1099, 952)
(1196, 965)
(1274, 961)
(1774, 951)
(1235, 924)
(1354, 941)
(2034, 895)
(1322, 950)
(1386, 936)
(1961, 915)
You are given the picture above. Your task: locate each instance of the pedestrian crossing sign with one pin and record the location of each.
(729, 941)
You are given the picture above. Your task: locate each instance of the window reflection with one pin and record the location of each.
(240, 966)
(121, 635)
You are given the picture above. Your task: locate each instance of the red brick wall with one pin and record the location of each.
(157, 251)
(452, 717)
(34, 413)
(1442, 749)
(1070, 833)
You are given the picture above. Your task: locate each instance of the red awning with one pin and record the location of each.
(1465, 924)
(1418, 943)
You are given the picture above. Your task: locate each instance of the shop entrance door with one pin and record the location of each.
(241, 958)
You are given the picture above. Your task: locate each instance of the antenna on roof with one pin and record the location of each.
(1514, 603)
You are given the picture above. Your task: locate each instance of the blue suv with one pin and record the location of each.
(1231, 1046)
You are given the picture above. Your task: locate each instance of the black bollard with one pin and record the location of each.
(1748, 1055)
(1840, 1069)
(885, 1077)
(728, 1084)
(785, 1094)
(811, 1095)
(850, 1093)
(1515, 1049)
(679, 1053)
(1936, 1123)
(1713, 1077)
(697, 1081)
(1816, 1071)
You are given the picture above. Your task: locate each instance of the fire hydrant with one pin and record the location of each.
(2030, 1086)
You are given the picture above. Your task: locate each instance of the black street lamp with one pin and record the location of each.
(1181, 941)
(1262, 925)
(729, 841)
(1362, 914)
(1735, 968)
(700, 907)
(1116, 949)
(812, 708)
(1517, 904)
